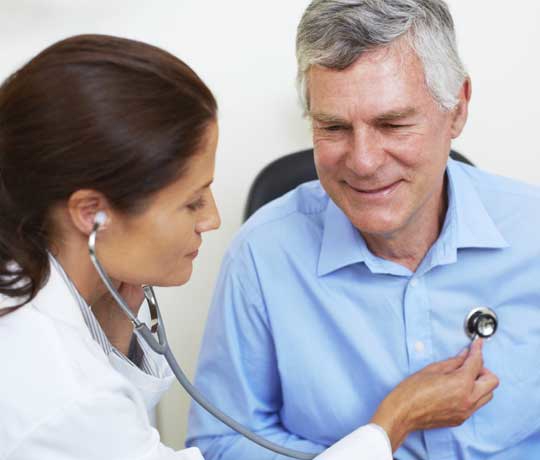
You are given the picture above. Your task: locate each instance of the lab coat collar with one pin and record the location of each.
(56, 301)
(467, 225)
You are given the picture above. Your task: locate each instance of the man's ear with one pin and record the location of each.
(461, 111)
(83, 205)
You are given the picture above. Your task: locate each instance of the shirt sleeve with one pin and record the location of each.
(103, 425)
(238, 373)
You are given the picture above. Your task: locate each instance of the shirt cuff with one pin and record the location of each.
(369, 442)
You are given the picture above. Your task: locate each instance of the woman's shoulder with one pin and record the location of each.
(34, 355)
(62, 357)
(45, 366)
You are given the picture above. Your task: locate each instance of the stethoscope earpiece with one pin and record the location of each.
(481, 322)
(100, 218)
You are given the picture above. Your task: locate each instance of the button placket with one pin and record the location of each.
(417, 326)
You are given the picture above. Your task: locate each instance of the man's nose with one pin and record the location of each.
(365, 154)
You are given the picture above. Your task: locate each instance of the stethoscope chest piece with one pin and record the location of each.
(481, 322)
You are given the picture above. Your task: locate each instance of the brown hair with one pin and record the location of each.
(92, 111)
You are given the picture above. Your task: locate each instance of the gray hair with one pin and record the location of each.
(335, 33)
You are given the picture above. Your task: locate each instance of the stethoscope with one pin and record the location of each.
(161, 346)
(480, 322)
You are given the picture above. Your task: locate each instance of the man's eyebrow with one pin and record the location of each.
(327, 118)
(391, 115)
(394, 115)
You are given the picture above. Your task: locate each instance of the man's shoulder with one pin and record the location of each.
(300, 211)
(490, 183)
(512, 205)
(501, 192)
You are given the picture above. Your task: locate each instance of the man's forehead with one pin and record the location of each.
(392, 86)
(397, 54)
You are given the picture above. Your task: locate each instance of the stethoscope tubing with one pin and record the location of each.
(161, 346)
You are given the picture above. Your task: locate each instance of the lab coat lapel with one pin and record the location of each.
(56, 301)
(150, 388)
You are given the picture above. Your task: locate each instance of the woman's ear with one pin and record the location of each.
(84, 205)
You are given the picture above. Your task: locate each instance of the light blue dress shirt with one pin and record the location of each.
(309, 330)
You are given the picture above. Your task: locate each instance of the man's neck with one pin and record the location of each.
(409, 245)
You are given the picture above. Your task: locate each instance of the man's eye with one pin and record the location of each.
(394, 126)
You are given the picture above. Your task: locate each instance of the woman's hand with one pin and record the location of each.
(442, 394)
(114, 322)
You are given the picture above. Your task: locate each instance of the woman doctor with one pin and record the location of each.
(98, 123)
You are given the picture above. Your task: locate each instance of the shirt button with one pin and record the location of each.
(414, 282)
(419, 347)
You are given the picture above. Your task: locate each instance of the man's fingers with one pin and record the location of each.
(484, 387)
(485, 384)
(474, 362)
(450, 364)
(483, 401)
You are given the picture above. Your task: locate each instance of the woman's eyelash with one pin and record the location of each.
(197, 204)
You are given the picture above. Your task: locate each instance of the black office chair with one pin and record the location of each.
(286, 173)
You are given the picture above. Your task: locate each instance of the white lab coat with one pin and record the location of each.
(62, 398)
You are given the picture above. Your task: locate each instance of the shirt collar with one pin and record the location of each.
(467, 225)
(474, 226)
(342, 244)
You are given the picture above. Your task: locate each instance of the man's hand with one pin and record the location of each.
(442, 394)
(113, 320)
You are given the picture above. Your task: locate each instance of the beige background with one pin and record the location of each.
(244, 50)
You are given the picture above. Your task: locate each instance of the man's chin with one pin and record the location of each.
(377, 226)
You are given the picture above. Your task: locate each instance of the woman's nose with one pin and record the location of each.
(210, 218)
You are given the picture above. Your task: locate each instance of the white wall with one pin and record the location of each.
(244, 50)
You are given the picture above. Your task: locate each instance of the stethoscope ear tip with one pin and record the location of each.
(100, 218)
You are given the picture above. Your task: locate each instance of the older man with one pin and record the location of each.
(333, 294)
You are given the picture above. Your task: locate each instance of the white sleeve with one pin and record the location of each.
(369, 442)
(101, 426)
